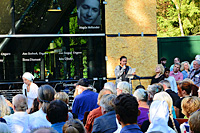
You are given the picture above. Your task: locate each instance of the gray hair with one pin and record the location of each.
(166, 83)
(153, 89)
(107, 102)
(46, 95)
(198, 61)
(197, 57)
(4, 128)
(44, 130)
(124, 86)
(20, 102)
(110, 86)
(4, 108)
(141, 95)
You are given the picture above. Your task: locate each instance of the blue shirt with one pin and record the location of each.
(58, 126)
(185, 74)
(86, 101)
(133, 128)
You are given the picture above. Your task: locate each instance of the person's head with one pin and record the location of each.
(123, 87)
(159, 69)
(106, 103)
(27, 78)
(4, 108)
(196, 64)
(197, 57)
(45, 96)
(110, 86)
(152, 90)
(185, 66)
(126, 108)
(177, 67)
(44, 130)
(176, 60)
(123, 60)
(88, 11)
(167, 71)
(194, 122)
(62, 96)
(82, 85)
(4, 128)
(57, 111)
(141, 95)
(35, 106)
(20, 103)
(166, 84)
(186, 88)
(163, 61)
(74, 126)
(190, 105)
(101, 93)
(139, 87)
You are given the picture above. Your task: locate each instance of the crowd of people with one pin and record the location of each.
(118, 108)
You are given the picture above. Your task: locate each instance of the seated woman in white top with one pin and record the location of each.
(171, 80)
(30, 89)
(38, 119)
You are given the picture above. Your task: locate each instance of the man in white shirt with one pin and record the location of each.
(18, 122)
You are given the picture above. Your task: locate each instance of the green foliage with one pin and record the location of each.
(167, 17)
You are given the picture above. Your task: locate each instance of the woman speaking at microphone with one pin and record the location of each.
(29, 89)
(122, 70)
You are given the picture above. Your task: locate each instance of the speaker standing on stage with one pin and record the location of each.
(122, 70)
(30, 89)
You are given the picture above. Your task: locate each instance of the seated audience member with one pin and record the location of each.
(4, 108)
(176, 72)
(139, 87)
(171, 80)
(95, 112)
(167, 88)
(38, 119)
(142, 97)
(18, 122)
(185, 69)
(197, 57)
(163, 61)
(164, 96)
(194, 74)
(86, 100)
(4, 128)
(126, 107)
(152, 90)
(194, 122)
(74, 126)
(176, 60)
(57, 114)
(159, 116)
(44, 130)
(65, 98)
(107, 122)
(186, 90)
(111, 86)
(35, 106)
(189, 105)
(123, 87)
(159, 74)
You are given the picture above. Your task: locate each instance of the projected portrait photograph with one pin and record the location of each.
(88, 12)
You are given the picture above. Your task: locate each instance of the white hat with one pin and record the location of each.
(29, 76)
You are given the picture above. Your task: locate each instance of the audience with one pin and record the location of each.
(65, 98)
(35, 106)
(176, 72)
(4, 108)
(159, 74)
(38, 119)
(18, 122)
(159, 116)
(142, 97)
(123, 87)
(74, 126)
(85, 101)
(126, 107)
(44, 130)
(139, 87)
(152, 90)
(185, 69)
(194, 122)
(96, 112)
(189, 105)
(57, 114)
(107, 122)
(4, 128)
(111, 86)
(194, 74)
(176, 60)
(163, 61)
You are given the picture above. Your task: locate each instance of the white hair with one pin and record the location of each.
(110, 86)
(197, 57)
(124, 86)
(20, 102)
(141, 95)
(4, 108)
(107, 102)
